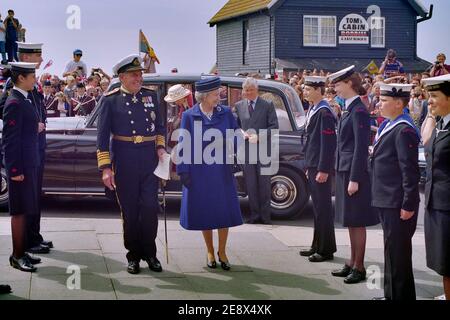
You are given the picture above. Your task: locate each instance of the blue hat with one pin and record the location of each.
(207, 84)
(78, 51)
(47, 83)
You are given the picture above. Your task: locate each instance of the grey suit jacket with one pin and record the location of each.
(263, 117)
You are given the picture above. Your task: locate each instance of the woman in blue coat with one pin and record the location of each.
(210, 199)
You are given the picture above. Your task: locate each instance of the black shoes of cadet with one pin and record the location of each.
(343, 272)
(320, 258)
(307, 253)
(133, 267)
(355, 276)
(5, 289)
(33, 259)
(23, 264)
(154, 264)
(47, 243)
(39, 249)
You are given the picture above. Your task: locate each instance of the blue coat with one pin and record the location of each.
(211, 201)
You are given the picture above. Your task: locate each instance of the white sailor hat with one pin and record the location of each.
(440, 83)
(342, 74)
(314, 81)
(26, 47)
(23, 67)
(133, 62)
(396, 90)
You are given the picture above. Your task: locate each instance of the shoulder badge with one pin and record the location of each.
(110, 93)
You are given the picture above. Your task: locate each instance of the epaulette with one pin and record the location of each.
(114, 91)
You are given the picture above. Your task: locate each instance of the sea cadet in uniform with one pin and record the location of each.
(320, 147)
(437, 188)
(32, 53)
(394, 167)
(131, 115)
(21, 151)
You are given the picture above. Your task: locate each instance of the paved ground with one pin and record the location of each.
(265, 259)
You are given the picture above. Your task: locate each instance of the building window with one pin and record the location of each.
(378, 32)
(246, 40)
(319, 31)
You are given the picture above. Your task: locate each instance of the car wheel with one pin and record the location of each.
(4, 191)
(290, 194)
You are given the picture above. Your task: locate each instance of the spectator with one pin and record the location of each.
(21, 34)
(56, 84)
(82, 104)
(104, 84)
(69, 91)
(11, 26)
(62, 105)
(391, 66)
(3, 41)
(439, 67)
(76, 66)
(415, 106)
(299, 90)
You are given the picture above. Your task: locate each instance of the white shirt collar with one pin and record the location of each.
(254, 101)
(23, 92)
(446, 120)
(348, 102)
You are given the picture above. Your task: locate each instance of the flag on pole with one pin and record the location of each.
(49, 64)
(145, 47)
(372, 67)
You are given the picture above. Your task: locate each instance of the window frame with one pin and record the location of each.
(319, 36)
(377, 46)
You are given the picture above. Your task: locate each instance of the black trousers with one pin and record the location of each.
(259, 192)
(324, 240)
(398, 270)
(137, 195)
(34, 237)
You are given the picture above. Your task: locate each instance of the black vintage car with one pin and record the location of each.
(71, 163)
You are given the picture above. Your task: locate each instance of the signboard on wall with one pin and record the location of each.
(354, 29)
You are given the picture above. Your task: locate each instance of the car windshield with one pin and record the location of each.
(296, 106)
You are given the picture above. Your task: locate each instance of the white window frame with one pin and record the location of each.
(319, 44)
(372, 22)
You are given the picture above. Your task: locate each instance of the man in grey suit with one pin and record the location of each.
(255, 114)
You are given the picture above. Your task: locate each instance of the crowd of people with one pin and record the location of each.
(391, 71)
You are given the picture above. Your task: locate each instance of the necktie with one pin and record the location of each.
(250, 108)
(439, 127)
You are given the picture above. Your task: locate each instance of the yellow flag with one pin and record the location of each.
(372, 67)
(145, 47)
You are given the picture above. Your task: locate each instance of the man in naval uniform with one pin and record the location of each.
(130, 114)
(395, 189)
(319, 157)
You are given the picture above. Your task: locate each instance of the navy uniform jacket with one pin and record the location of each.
(395, 171)
(320, 145)
(20, 134)
(37, 100)
(87, 105)
(438, 171)
(120, 114)
(353, 141)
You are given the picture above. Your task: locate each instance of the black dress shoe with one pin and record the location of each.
(32, 259)
(224, 265)
(211, 264)
(47, 243)
(22, 264)
(4, 289)
(355, 276)
(344, 272)
(40, 249)
(307, 253)
(133, 267)
(253, 221)
(154, 264)
(320, 258)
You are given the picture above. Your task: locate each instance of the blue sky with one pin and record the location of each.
(177, 29)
